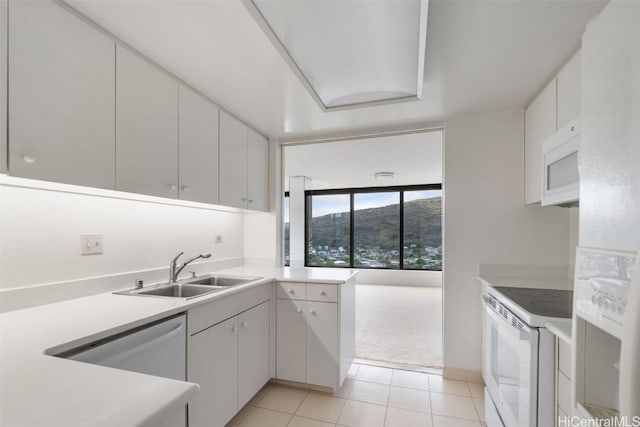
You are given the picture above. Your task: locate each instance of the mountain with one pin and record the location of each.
(379, 227)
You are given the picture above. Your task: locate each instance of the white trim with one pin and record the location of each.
(10, 181)
(277, 43)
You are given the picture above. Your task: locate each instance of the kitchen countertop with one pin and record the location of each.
(527, 282)
(39, 389)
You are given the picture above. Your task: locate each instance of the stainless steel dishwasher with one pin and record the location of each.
(155, 349)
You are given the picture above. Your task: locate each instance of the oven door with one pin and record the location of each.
(511, 366)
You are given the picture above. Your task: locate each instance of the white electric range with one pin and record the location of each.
(519, 354)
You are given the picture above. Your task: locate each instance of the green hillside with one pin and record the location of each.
(379, 227)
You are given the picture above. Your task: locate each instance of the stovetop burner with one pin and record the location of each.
(541, 302)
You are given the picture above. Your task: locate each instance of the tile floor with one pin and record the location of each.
(370, 397)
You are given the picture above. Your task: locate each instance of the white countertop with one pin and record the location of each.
(41, 390)
(528, 282)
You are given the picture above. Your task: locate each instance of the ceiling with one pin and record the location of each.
(413, 158)
(482, 55)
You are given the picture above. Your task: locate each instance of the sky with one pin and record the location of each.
(326, 204)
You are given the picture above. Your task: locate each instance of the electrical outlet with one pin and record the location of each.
(218, 238)
(90, 244)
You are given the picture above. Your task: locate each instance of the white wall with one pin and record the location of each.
(400, 277)
(260, 236)
(486, 222)
(40, 233)
(610, 140)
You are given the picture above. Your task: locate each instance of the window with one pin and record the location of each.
(328, 230)
(385, 228)
(376, 230)
(422, 231)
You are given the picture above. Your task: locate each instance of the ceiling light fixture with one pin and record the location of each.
(384, 175)
(349, 53)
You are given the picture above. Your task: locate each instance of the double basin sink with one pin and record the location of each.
(191, 288)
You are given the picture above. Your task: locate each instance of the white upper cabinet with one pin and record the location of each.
(569, 90)
(233, 161)
(258, 172)
(553, 108)
(244, 165)
(61, 97)
(540, 124)
(198, 147)
(146, 127)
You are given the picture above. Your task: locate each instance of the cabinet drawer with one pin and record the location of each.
(290, 290)
(564, 358)
(322, 292)
(564, 393)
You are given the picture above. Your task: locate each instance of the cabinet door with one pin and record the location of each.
(540, 124)
(213, 363)
(258, 172)
(322, 344)
(253, 352)
(198, 147)
(233, 161)
(291, 340)
(61, 108)
(146, 127)
(569, 89)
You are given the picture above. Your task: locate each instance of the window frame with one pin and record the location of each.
(364, 190)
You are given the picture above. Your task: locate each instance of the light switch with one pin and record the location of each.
(90, 244)
(218, 238)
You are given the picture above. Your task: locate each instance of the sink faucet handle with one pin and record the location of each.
(176, 258)
(193, 274)
(139, 283)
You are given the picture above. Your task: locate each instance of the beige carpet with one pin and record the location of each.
(399, 324)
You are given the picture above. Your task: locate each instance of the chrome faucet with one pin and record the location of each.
(174, 270)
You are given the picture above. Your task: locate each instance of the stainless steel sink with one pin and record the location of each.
(190, 288)
(224, 281)
(173, 290)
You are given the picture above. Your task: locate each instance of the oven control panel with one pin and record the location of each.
(602, 285)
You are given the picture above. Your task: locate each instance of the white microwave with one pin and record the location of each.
(560, 167)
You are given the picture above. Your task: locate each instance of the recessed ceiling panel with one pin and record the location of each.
(350, 52)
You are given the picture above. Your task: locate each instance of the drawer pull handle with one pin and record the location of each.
(323, 293)
(243, 324)
(291, 291)
(233, 328)
(28, 159)
(313, 312)
(298, 310)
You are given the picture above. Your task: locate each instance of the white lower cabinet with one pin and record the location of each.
(315, 337)
(230, 362)
(253, 352)
(215, 368)
(563, 382)
(322, 343)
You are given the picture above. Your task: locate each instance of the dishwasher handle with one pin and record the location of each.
(118, 357)
(111, 352)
